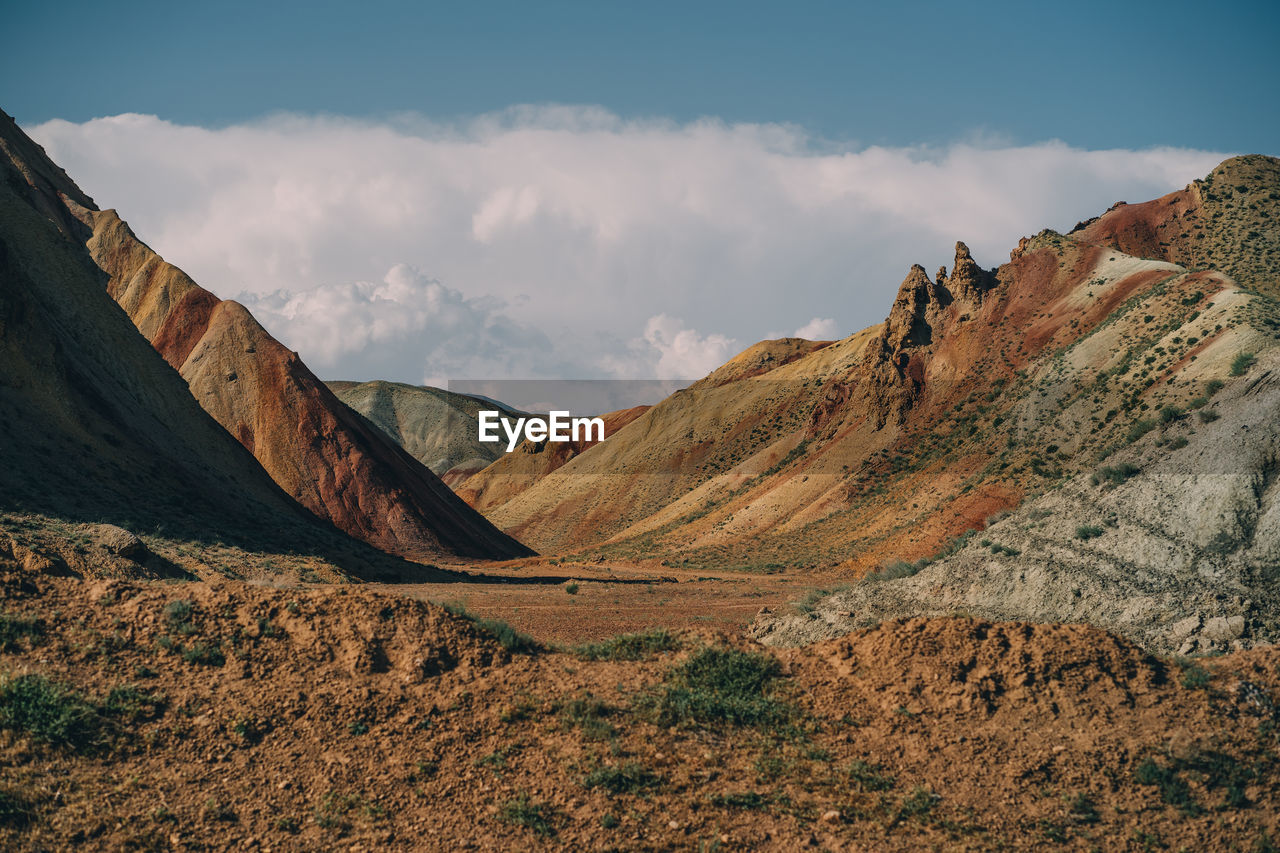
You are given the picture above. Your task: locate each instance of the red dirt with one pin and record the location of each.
(345, 719)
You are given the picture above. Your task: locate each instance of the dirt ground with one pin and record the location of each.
(235, 716)
(613, 598)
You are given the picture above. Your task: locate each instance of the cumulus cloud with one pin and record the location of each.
(683, 353)
(568, 234)
(405, 326)
(818, 329)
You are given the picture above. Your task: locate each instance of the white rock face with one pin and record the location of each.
(1188, 560)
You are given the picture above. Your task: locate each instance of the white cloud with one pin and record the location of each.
(405, 326)
(683, 353)
(569, 225)
(818, 329)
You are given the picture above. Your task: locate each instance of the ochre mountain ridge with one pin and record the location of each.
(324, 455)
(982, 388)
(101, 441)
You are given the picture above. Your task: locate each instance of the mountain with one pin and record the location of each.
(984, 389)
(324, 455)
(528, 463)
(1173, 537)
(438, 428)
(107, 464)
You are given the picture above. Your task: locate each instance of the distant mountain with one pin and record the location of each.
(493, 485)
(322, 454)
(438, 428)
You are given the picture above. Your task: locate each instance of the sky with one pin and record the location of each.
(425, 192)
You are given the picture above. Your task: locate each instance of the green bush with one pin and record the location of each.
(1088, 531)
(1138, 430)
(869, 777)
(205, 654)
(621, 778)
(14, 627)
(639, 646)
(1242, 362)
(509, 638)
(589, 715)
(719, 686)
(1114, 475)
(50, 713)
(522, 811)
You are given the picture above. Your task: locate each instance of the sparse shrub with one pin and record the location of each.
(719, 686)
(205, 654)
(1138, 430)
(177, 614)
(528, 813)
(743, 800)
(1169, 414)
(1196, 677)
(639, 646)
(509, 638)
(16, 808)
(897, 569)
(589, 715)
(12, 628)
(1088, 531)
(133, 703)
(917, 804)
(1241, 363)
(571, 588)
(609, 820)
(621, 778)
(1213, 386)
(51, 713)
(869, 777)
(1208, 416)
(1114, 475)
(1178, 443)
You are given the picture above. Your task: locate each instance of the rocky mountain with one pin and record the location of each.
(437, 427)
(324, 455)
(493, 485)
(1174, 537)
(107, 464)
(985, 390)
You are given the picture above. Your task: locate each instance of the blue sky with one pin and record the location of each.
(1096, 75)
(425, 192)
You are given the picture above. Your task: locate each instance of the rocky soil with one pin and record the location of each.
(193, 716)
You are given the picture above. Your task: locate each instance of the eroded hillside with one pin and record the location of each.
(982, 388)
(330, 460)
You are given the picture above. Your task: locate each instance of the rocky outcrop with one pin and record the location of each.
(968, 282)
